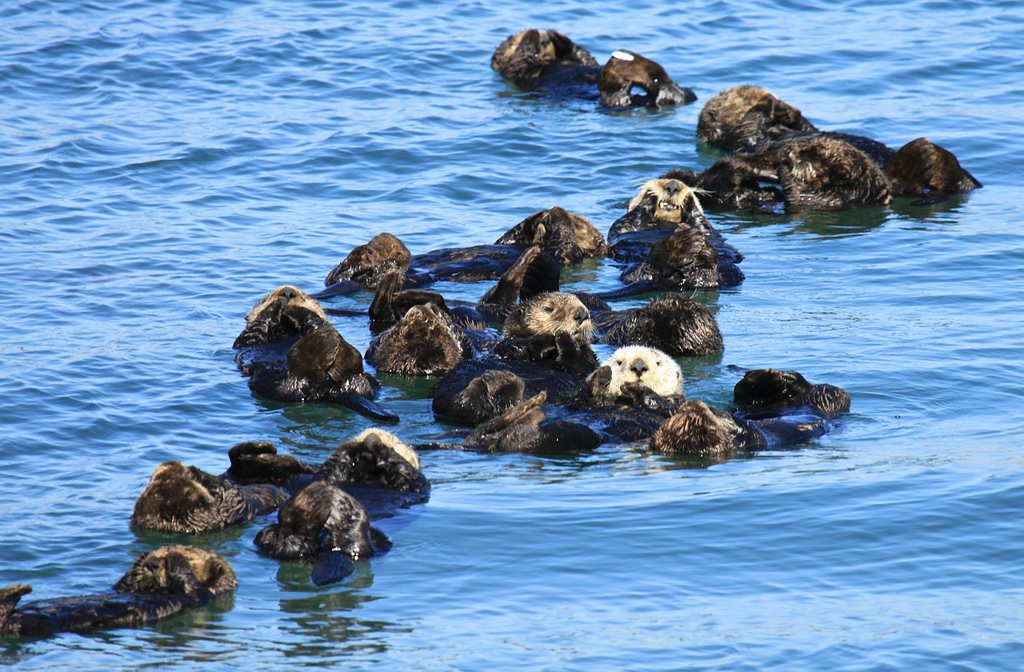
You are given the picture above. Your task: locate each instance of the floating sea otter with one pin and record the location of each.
(672, 323)
(781, 159)
(324, 525)
(549, 61)
(525, 429)
(290, 352)
(563, 237)
(161, 583)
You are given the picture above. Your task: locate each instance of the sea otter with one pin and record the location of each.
(324, 525)
(161, 583)
(290, 352)
(379, 470)
(745, 116)
(489, 394)
(525, 429)
(187, 500)
(697, 429)
(549, 61)
(629, 396)
(258, 462)
(563, 237)
(425, 342)
(553, 328)
(672, 323)
(766, 393)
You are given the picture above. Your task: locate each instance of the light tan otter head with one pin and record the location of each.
(550, 313)
(627, 71)
(177, 570)
(670, 201)
(649, 366)
(694, 429)
(286, 294)
(402, 449)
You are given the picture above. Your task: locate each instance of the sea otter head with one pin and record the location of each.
(694, 429)
(670, 202)
(523, 57)
(742, 116)
(922, 168)
(368, 264)
(564, 235)
(425, 342)
(648, 366)
(177, 499)
(551, 313)
(376, 458)
(179, 570)
(627, 71)
(285, 295)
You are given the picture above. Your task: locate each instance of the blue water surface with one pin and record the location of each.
(164, 164)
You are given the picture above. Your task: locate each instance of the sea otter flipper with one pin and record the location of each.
(506, 290)
(331, 567)
(367, 407)
(340, 288)
(631, 290)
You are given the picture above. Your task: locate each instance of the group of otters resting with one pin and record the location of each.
(501, 387)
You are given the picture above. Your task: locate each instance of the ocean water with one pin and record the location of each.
(165, 164)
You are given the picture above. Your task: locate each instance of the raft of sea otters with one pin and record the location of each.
(534, 385)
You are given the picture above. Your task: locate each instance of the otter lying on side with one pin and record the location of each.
(324, 525)
(160, 584)
(697, 429)
(548, 61)
(525, 429)
(290, 352)
(784, 160)
(188, 500)
(766, 393)
(563, 237)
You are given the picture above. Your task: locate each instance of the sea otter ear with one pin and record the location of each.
(331, 567)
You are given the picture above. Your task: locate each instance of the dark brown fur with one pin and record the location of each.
(620, 75)
(367, 264)
(187, 500)
(770, 392)
(921, 168)
(490, 394)
(746, 116)
(425, 342)
(673, 323)
(161, 583)
(523, 429)
(566, 236)
(522, 58)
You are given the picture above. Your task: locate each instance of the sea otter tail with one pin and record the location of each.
(9, 598)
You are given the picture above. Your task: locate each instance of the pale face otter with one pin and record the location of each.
(522, 58)
(695, 429)
(550, 313)
(286, 312)
(425, 342)
(745, 115)
(187, 500)
(566, 236)
(393, 444)
(626, 70)
(648, 366)
(670, 202)
(367, 264)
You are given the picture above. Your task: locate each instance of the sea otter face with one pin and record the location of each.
(175, 569)
(671, 202)
(626, 70)
(724, 110)
(694, 429)
(552, 313)
(285, 295)
(649, 366)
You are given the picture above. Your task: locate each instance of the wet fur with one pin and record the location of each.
(672, 323)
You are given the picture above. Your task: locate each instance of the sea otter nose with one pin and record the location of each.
(639, 367)
(581, 315)
(672, 187)
(288, 293)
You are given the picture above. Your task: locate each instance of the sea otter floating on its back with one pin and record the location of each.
(549, 61)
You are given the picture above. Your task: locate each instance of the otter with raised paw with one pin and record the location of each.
(160, 584)
(324, 525)
(764, 393)
(548, 61)
(672, 323)
(525, 429)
